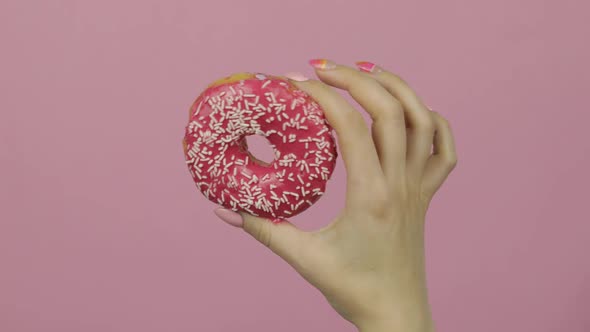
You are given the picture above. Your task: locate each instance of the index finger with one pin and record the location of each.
(354, 139)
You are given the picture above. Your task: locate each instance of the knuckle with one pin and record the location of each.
(364, 82)
(441, 120)
(394, 112)
(379, 200)
(393, 78)
(313, 87)
(355, 119)
(395, 107)
(309, 88)
(315, 84)
(451, 162)
(358, 83)
(354, 183)
(263, 234)
(426, 124)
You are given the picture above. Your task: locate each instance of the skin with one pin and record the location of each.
(369, 261)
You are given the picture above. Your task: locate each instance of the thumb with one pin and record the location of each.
(282, 237)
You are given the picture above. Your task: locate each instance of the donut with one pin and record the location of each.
(223, 169)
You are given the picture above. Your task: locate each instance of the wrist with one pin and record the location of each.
(413, 321)
(426, 326)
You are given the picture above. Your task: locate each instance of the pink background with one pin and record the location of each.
(101, 228)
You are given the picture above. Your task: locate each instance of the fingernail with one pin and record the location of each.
(368, 67)
(299, 77)
(322, 64)
(429, 108)
(229, 216)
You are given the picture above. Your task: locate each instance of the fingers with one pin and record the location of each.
(283, 238)
(420, 123)
(389, 132)
(444, 157)
(354, 139)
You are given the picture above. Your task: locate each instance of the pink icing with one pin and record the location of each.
(294, 124)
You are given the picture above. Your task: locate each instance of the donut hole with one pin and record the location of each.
(260, 149)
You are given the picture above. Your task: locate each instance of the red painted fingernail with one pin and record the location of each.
(322, 64)
(230, 217)
(368, 67)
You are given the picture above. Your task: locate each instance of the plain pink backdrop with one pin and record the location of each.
(101, 228)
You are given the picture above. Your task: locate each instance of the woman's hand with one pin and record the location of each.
(369, 262)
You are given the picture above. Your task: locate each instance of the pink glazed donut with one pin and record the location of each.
(294, 124)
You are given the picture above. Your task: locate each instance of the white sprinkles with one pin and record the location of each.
(293, 123)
